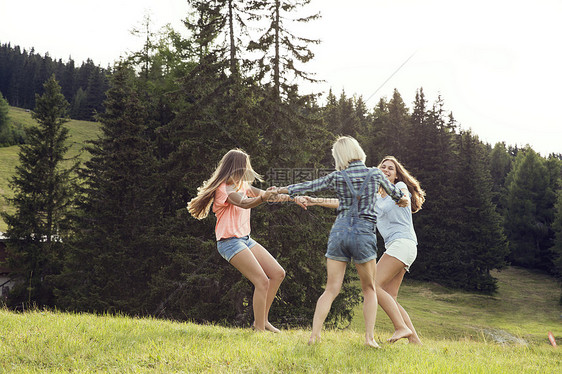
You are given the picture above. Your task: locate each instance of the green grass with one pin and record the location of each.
(80, 131)
(525, 307)
(42, 341)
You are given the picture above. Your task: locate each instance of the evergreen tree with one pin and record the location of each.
(281, 50)
(38, 229)
(375, 146)
(4, 128)
(431, 158)
(398, 121)
(68, 77)
(557, 228)
(95, 93)
(113, 252)
(481, 245)
(361, 115)
(530, 211)
(348, 121)
(500, 165)
(79, 108)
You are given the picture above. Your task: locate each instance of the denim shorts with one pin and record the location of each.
(352, 239)
(228, 247)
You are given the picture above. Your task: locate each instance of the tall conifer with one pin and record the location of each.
(481, 245)
(43, 195)
(113, 249)
(530, 211)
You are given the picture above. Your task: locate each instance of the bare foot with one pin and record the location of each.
(314, 339)
(413, 339)
(270, 327)
(399, 334)
(371, 343)
(256, 329)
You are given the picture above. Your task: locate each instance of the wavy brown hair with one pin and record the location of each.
(235, 165)
(402, 175)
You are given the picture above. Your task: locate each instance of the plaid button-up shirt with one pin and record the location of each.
(357, 172)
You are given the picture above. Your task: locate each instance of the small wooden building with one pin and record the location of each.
(6, 282)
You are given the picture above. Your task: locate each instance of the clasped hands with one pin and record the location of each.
(277, 194)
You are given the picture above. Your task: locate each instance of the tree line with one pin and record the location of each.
(23, 73)
(114, 235)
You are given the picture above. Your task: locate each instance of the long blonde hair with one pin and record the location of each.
(234, 165)
(402, 175)
(345, 150)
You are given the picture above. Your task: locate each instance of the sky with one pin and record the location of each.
(495, 63)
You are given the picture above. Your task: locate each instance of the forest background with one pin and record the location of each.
(112, 234)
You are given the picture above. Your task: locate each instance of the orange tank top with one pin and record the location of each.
(232, 221)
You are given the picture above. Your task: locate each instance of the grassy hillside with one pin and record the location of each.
(80, 131)
(459, 330)
(41, 341)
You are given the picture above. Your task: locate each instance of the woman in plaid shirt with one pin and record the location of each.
(353, 234)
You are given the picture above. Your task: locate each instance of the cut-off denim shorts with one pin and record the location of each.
(228, 247)
(352, 238)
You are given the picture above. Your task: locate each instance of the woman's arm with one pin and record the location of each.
(394, 192)
(406, 195)
(275, 197)
(320, 201)
(315, 185)
(236, 198)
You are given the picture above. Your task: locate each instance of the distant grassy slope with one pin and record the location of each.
(80, 131)
(525, 307)
(43, 342)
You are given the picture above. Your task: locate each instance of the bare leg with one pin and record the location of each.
(336, 272)
(387, 269)
(392, 288)
(275, 273)
(366, 273)
(246, 263)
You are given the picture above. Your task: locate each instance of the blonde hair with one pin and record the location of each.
(345, 150)
(234, 165)
(402, 175)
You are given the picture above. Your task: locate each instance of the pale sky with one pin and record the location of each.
(496, 63)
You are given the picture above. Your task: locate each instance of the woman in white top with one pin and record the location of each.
(396, 227)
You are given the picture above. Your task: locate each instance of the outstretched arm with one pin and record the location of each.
(236, 198)
(320, 201)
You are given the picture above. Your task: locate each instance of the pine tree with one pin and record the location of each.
(500, 165)
(281, 50)
(95, 93)
(431, 158)
(557, 246)
(481, 245)
(529, 211)
(114, 247)
(398, 125)
(43, 194)
(5, 136)
(375, 147)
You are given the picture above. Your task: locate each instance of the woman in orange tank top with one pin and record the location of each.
(231, 194)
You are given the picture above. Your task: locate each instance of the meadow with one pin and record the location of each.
(461, 332)
(80, 132)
